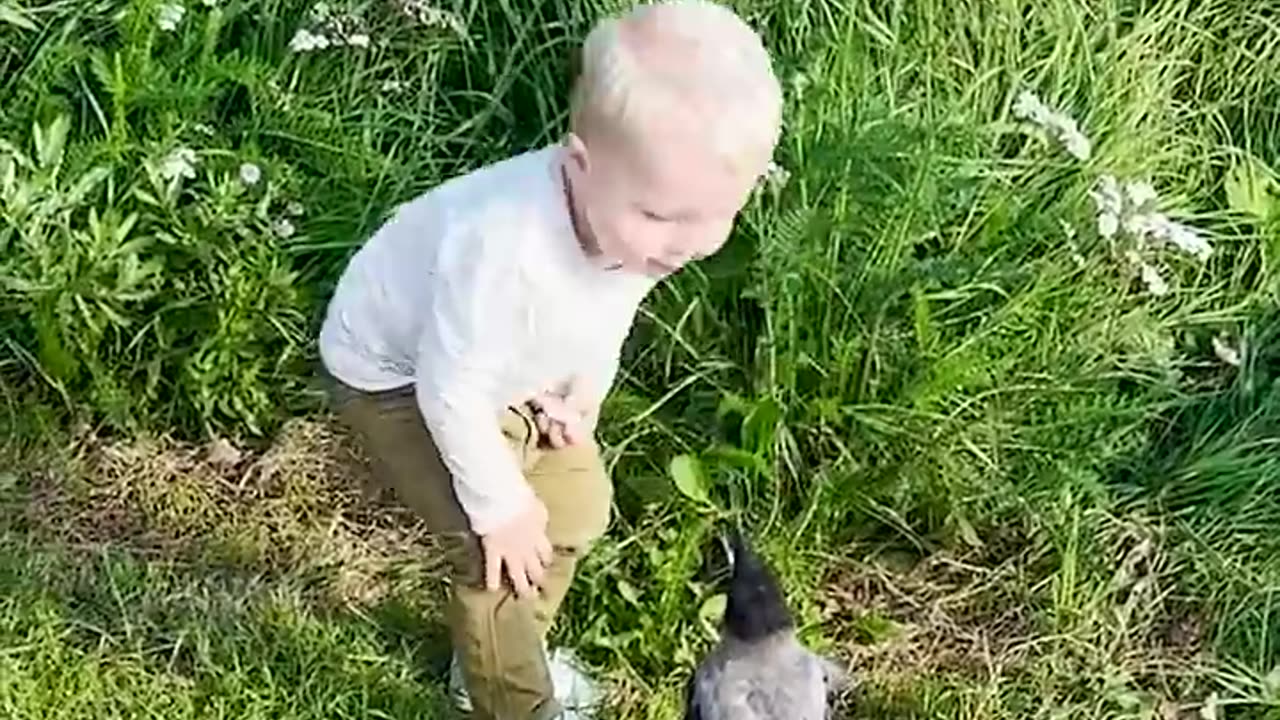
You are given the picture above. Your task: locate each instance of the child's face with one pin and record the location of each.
(654, 206)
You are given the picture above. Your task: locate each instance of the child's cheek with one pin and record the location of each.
(631, 235)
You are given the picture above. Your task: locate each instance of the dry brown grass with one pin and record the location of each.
(304, 504)
(982, 618)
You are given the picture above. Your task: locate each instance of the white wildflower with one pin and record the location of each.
(1140, 194)
(304, 40)
(203, 129)
(775, 176)
(1133, 209)
(283, 227)
(1154, 282)
(800, 82)
(170, 15)
(1028, 106)
(359, 40)
(209, 3)
(250, 174)
(1075, 141)
(1108, 224)
(1076, 256)
(294, 209)
(320, 12)
(179, 163)
(1158, 226)
(1188, 239)
(1144, 226)
(1225, 352)
(428, 16)
(1109, 203)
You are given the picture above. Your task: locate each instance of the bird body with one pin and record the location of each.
(758, 670)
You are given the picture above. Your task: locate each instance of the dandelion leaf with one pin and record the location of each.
(1252, 189)
(686, 471)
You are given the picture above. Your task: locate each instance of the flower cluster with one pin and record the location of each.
(179, 163)
(427, 16)
(774, 178)
(1127, 212)
(1029, 107)
(1130, 209)
(1133, 210)
(329, 29)
(169, 16)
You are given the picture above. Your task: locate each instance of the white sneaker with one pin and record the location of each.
(574, 689)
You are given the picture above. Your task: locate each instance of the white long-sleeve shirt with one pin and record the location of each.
(479, 292)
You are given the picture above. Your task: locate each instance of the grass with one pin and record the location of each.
(1000, 478)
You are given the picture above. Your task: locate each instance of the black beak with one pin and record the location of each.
(719, 559)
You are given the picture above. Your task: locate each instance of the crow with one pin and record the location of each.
(758, 670)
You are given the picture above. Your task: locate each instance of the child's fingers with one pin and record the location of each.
(556, 435)
(519, 572)
(557, 410)
(543, 422)
(535, 570)
(545, 552)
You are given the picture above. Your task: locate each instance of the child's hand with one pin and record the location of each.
(522, 547)
(559, 425)
(562, 417)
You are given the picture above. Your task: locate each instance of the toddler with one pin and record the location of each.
(473, 338)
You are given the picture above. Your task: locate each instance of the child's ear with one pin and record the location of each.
(577, 151)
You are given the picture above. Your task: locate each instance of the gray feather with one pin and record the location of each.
(774, 679)
(759, 670)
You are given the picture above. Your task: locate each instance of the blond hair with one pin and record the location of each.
(724, 71)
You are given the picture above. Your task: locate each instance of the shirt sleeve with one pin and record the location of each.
(599, 376)
(464, 351)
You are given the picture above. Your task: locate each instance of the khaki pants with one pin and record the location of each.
(499, 638)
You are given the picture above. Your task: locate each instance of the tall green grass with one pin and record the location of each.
(919, 346)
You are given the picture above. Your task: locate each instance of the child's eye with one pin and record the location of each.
(656, 217)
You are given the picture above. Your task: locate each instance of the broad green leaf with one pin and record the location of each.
(8, 175)
(711, 612)
(55, 359)
(686, 471)
(1271, 683)
(872, 628)
(760, 426)
(1252, 188)
(51, 141)
(11, 14)
(629, 592)
(966, 531)
(86, 184)
(737, 458)
(732, 403)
